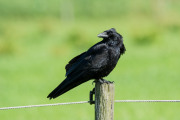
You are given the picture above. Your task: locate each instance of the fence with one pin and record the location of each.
(104, 102)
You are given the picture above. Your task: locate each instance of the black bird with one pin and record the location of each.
(96, 63)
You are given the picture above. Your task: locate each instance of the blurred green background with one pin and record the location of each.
(39, 37)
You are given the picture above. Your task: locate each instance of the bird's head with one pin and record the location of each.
(111, 33)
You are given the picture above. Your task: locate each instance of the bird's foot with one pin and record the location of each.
(91, 101)
(105, 81)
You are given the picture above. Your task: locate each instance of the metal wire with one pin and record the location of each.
(82, 102)
(43, 105)
(147, 100)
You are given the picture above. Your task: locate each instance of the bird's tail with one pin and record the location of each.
(68, 84)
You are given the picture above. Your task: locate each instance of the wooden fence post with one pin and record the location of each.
(104, 101)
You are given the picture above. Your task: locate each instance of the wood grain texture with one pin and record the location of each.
(104, 101)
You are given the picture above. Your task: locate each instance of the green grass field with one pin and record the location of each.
(35, 50)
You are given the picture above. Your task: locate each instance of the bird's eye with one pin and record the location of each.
(109, 32)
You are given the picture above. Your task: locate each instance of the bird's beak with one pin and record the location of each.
(103, 35)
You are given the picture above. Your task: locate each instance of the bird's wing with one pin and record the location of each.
(99, 56)
(82, 69)
(96, 57)
(74, 60)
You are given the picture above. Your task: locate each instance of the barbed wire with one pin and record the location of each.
(82, 102)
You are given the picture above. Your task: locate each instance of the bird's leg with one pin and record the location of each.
(104, 81)
(91, 101)
(101, 81)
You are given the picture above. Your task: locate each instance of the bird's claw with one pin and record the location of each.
(105, 81)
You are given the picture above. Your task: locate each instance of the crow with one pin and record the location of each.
(95, 63)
